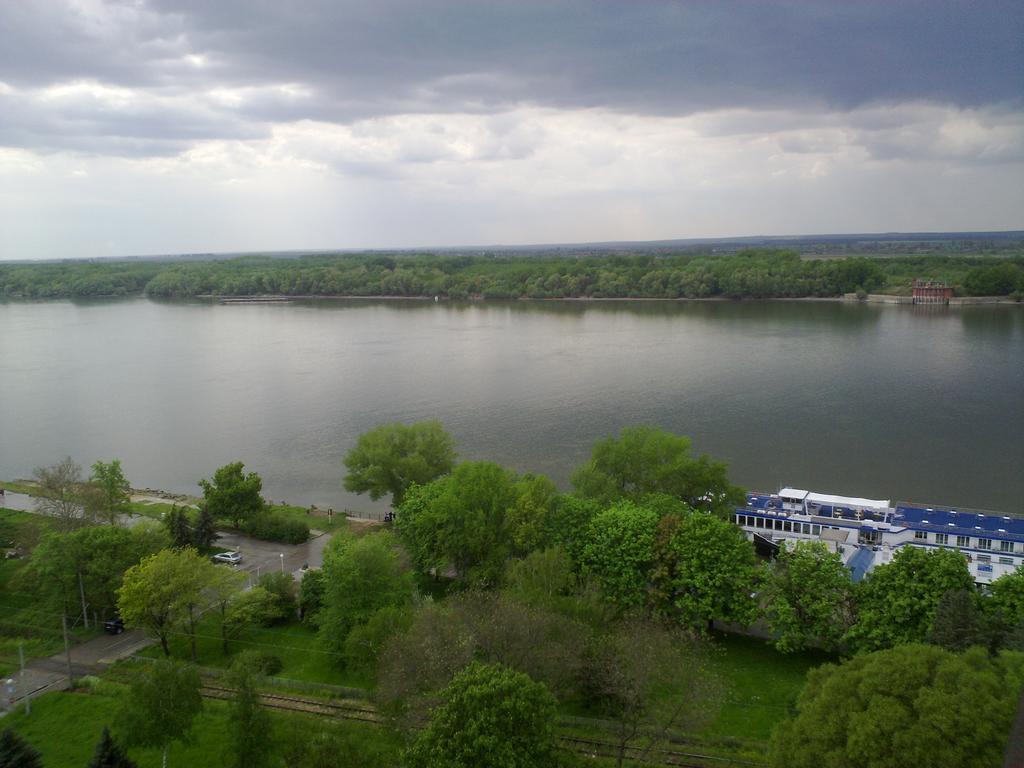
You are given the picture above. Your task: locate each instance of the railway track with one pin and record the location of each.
(654, 756)
(340, 710)
(360, 711)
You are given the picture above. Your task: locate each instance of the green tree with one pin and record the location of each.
(115, 490)
(250, 731)
(1006, 603)
(646, 460)
(90, 560)
(164, 591)
(619, 552)
(232, 494)
(223, 588)
(905, 707)
(959, 621)
(361, 576)
(15, 752)
(490, 716)
(281, 587)
(311, 596)
(806, 597)
(715, 572)
(531, 515)
(162, 703)
(392, 457)
(896, 602)
(204, 533)
(543, 577)
(109, 754)
(178, 527)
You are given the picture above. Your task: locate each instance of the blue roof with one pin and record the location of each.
(860, 563)
(964, 523)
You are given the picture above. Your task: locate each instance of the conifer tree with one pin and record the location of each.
(110, 754)
(15, 752)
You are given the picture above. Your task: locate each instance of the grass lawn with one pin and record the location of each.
(302, 657)
(763, 685)
(65, 728)
(20, 486)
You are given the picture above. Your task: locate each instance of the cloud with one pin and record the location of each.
(344, 61)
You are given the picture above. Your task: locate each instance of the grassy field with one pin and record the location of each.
(762, 685)
(65, 728)
(302, 657)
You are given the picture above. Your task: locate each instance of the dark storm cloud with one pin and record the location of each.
(367, 58)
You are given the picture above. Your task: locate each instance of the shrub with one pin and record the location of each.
(281, 587)
(270, 526)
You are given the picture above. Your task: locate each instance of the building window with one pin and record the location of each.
(921, 535)
(984, 543)
(1006, 561)
(787, 526)
(942, 538)
(1006, 546)
(759, 523)
(806, 527)
(815, 530)
(963, 541)
(984, 558)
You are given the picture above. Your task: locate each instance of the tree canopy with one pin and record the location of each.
(392, 457)
(113, 487)
(896, 602)
(619, 552)
(162, 702)
(232, 494)
(807, 597)
(907, 707)
(490, 717)
(647, 460)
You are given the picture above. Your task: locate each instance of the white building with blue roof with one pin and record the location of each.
(867, 532)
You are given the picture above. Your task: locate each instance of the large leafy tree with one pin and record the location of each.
(361, 576)
(646, 460)
(490, 717)
(92, 560)
(896, 602)
(905, 707)
(114, 490)
(162, 703)
(164, 591)
(806, 597)
(619, 552)
(392, 457)
(232, 494)
(461, 521)
(714, 572)
(249, 725)
(1007, 600)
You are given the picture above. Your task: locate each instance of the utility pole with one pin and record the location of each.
(21, 680)
(67, 649)
(81, 591)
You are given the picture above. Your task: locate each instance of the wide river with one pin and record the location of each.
(923, 404)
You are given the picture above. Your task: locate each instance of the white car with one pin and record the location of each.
(231, 558)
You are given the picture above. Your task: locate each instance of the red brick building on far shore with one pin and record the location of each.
(932, 292)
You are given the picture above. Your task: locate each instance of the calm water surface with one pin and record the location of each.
(898, 402)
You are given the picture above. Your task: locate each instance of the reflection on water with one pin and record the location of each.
(865, 399)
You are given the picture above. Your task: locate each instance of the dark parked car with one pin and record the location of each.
(114, 626)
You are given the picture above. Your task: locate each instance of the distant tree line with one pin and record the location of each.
(750, 273)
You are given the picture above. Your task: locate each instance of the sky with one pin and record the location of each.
(184, 126)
